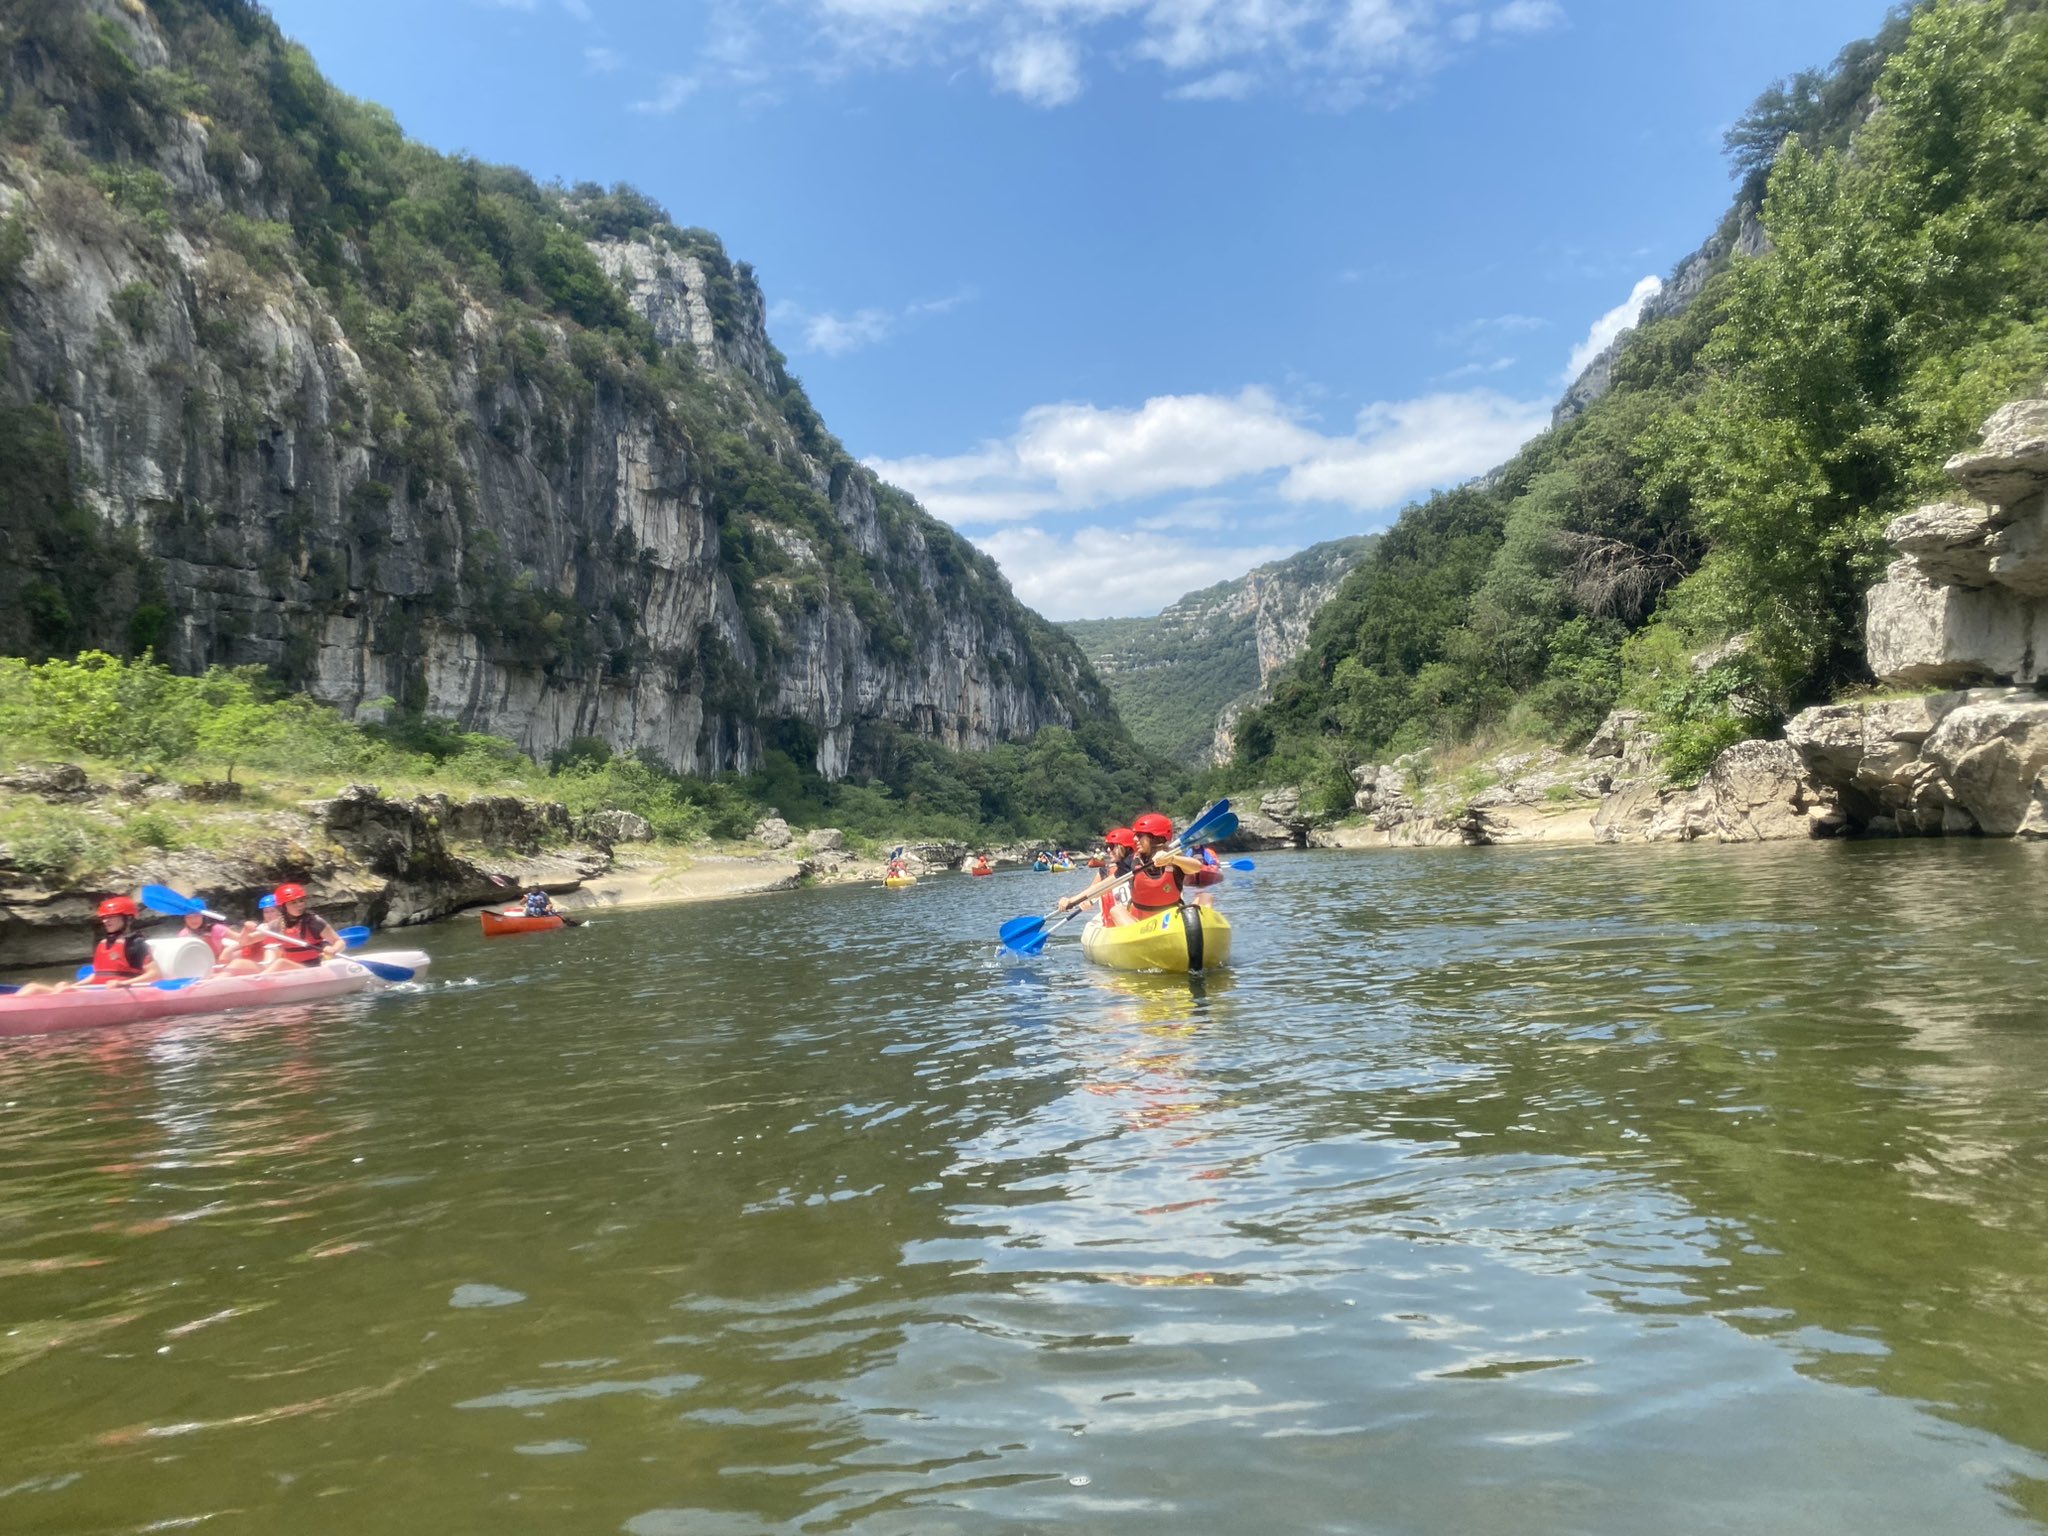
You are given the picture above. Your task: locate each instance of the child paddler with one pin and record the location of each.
(1160, 878)
(1121, 863)
(302, 935)
(121, 958)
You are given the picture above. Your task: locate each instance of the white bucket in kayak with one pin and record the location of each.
(182, 957)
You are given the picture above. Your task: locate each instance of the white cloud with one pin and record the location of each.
(836, 335)
(1527, 16)
(1104, 572)
(601, 61)
(1405, 447)
(1481, 370)
(1043, 69)
(1611, 325)
(580, 9)
(675, 90)
(1078, 457)
(1339, 52)
(1224, 85)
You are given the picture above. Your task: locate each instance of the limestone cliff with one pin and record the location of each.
(1181, 677)
(290, 390)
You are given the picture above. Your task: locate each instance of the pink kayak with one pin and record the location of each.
(95, 1007)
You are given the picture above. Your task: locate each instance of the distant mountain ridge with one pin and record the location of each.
(1177, 677)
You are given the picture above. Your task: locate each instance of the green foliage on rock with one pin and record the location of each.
(1737, 478)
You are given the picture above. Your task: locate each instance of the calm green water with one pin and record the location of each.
(1662, 1191)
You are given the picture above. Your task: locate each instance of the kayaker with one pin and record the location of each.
(540, 904)
(1118, 841)
(1157, 883)
(213, 928)
(1122, 860)
(121, 958)
(982, 865)
(303, 936)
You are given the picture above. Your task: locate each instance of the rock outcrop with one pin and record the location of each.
(1967, 601)
(1946, 764)
(365, 858)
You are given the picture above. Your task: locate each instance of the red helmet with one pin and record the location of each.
(119, 906)
(1152, 824)
(1119, 837)
(287, 893)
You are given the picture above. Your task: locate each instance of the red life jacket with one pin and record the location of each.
(1156, 890)
(121, 958)
(309, 931)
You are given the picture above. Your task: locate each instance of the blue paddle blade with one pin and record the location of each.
(161, 898)
(176, 984)
(387, 972)
(5, 990)
(84, 972)
(1019, 927)
(354, 936)
(1244, 864)
(1201, 825)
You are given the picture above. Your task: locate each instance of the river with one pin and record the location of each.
(1675, 1190)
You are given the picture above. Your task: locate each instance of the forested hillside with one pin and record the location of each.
(1175, 675)
(1733, 483)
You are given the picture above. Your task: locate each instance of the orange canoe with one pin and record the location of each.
(497, 923)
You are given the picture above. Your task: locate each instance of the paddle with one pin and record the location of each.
(1018, 934)
(386, 972)
(353, 937)
(161, 898)
(1222, 827)
(162, 986)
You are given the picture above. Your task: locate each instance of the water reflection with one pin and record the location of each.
(1558, 1190)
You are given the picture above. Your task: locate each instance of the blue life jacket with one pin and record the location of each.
(537, 903)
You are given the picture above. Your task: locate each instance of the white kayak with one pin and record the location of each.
(97, 1007)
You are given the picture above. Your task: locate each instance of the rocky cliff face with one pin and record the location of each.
(1182, 677)
(482, 508)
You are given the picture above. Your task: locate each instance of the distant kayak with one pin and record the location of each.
(497, 924)
(899, 882)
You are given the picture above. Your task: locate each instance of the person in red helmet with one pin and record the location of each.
(1157, 884)
(1121, 865)
(121, 958)
(302, 936)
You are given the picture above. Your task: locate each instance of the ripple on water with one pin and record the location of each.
(1549, 1190)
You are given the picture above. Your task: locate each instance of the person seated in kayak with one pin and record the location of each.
(540, 904)
(121, 958)
(302, 936)
(1157, 883)
(982, 865)
(1118, 841)
(211, 927)
(1121, 863)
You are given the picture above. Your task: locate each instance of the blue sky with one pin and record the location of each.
(1136, 293)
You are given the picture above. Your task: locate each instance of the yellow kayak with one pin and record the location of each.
(1185, 939)
(898, 882)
